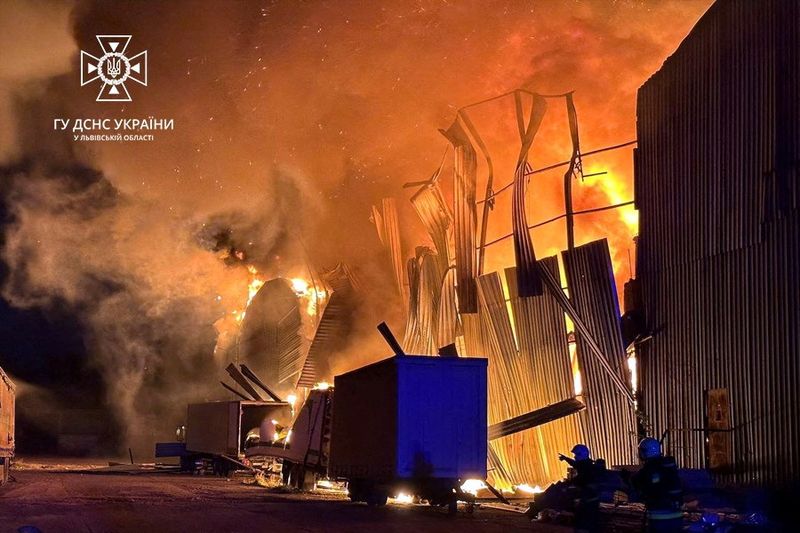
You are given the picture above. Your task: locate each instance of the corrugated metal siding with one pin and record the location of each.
(541, 330)
(610, 420)
(508, 388)
(719, 242)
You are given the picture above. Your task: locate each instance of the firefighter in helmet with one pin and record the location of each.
(659, 486)
(585, 483)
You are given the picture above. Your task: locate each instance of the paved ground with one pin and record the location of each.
(154, 503)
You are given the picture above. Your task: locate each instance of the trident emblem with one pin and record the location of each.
(113, 68)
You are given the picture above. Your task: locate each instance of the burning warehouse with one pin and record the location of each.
(571, 242)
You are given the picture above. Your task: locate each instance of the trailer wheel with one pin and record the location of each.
(452, 507)
(355, 491)
(377, 499)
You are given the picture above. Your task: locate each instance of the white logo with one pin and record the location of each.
(113, 68)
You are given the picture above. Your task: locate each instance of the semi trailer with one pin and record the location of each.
(7, 406)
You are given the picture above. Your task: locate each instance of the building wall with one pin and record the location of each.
(718, 192)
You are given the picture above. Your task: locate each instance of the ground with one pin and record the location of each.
(153, 503)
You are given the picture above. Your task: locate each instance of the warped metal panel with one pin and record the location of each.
(527, 275)
(412, 337)
(290, 346)
(541, 331)
(331, 335)
(718, 193)
(388, 227)
(610, 420)
(510, 387)
(543, 415)
(465, 215)
(473, 336)
(271, 341)
(429, 287)
(448, 323)
(423, 306)
(432, 210)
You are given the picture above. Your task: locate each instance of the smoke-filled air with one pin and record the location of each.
(291, 120)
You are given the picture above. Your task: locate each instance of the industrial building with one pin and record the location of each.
(719, 243)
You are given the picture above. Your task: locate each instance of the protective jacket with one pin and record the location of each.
(660, 488)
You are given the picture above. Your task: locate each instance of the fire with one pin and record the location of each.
(254, 286)
(634, 372)
(472, 486)
(528, 489)
(300, 286)
(577, 383)
(312, 294)
(404, 498)
(616, 190)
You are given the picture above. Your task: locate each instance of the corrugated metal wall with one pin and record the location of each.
(719, 237)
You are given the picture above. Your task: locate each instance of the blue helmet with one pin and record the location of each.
(580, 451)
(649, 448)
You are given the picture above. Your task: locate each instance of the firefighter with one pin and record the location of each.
(585, 482)
(659, 486)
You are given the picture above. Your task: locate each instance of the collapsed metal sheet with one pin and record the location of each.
(333, 328)
(465, 216)
(488, 200)
(429, 287)
(430, 205)
(537, 417)
(388, 227)
(271, 340)
(610, 420)
(541, 332)
(527, 274)
(510, 387)
(448, 322)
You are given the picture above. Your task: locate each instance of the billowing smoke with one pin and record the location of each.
(291, 119)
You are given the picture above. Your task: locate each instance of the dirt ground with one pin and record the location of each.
(80, 501)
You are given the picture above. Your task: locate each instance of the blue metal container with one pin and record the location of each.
(409, 421)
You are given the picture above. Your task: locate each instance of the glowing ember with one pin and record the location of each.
(472, 486)
(322, 385)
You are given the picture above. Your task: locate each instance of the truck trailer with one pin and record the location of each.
(7, 406)
(412, 424)
(217, 433)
